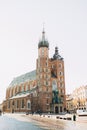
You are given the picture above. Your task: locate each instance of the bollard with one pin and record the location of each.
(57, 117)
(74, 117)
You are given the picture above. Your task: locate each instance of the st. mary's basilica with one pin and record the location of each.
(41, 90)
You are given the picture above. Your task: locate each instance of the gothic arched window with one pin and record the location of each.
(54, 85)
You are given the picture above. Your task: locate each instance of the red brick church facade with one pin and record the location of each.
(41, 90)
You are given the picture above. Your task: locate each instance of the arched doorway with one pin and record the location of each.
(61, 109)
(12, 110)
(56, 109)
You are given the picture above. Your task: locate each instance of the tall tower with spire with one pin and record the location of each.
(43, 74)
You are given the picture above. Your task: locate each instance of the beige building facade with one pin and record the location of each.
(77, 100)
(69, 103)
(80, 98)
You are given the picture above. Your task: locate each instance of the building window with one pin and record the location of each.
(26, 87)
(61, 85)
(44, 82)
(31, 86)
(41, 76)
(40, 69)
(22, 88)
(60, 73)
(44, 69)
(47, 63)
(17, 103)
(61, 79)
(29, 105)
(46, 76)
(22, 103)
(48, 70)
(8, 104)
(54, 85)
(47, 83)
(49, 76)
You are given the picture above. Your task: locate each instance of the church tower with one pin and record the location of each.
(43, 74)
(58, 104)
(50, 79)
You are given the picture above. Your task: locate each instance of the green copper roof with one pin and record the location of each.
(25, 77)
(43, 42)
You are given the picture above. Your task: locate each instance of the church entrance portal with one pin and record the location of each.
(60, 109)
(12, 110)
(56, 109)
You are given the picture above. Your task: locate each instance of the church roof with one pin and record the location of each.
(23, 78)
(43, 42)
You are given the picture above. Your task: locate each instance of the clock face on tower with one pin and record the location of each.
(54, 85)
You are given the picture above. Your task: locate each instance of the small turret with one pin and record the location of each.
(56, 55)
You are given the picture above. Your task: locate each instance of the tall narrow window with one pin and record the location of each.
(26, 87)
(17, 103)
(8, 104)
(22, 88)
(29, 104)
(22, 103)
(54, 85)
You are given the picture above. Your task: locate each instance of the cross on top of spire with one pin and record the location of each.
(43, 42)
(43, 33)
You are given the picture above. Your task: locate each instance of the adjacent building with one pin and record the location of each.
(80, 98)
(77, 100)
(41, 90)
(69, 103)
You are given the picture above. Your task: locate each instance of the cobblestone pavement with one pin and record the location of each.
(8, 123)
(37, 122)
(61, 124)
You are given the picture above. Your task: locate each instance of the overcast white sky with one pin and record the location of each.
(21, 24)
